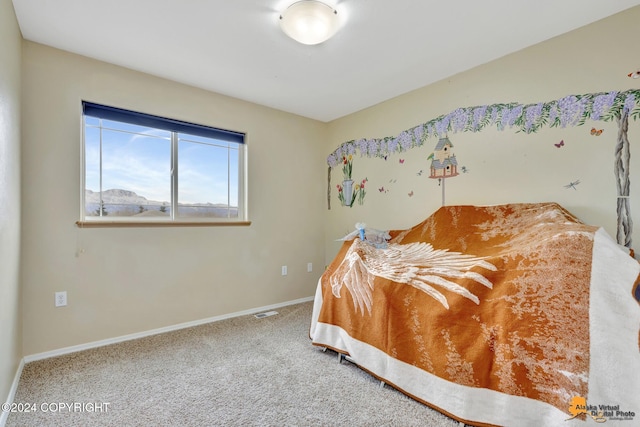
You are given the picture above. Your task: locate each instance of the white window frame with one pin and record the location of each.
(177, 127)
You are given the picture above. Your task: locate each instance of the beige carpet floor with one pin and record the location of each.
(237, 372)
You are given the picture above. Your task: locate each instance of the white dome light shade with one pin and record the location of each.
(309, 22)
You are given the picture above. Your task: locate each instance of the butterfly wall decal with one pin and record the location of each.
(419, 173)
(465, 169)
(383, 190)
(401, 161)
(634, 75)
(596, 132)
(559, 144)
(411, 193)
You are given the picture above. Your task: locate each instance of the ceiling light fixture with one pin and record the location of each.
(309, 21)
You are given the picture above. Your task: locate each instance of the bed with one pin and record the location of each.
(511, 315)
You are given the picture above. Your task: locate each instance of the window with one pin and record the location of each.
(143, 168)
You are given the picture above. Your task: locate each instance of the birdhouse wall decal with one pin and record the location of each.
(443, 161)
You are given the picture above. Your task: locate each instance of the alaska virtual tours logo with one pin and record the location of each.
(599, 413)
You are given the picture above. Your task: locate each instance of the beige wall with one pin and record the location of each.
(10, 322)
(504, 166)
(127, 280)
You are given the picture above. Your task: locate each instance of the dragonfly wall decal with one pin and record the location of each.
(572, 184)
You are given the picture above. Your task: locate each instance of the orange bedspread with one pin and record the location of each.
(493, 305)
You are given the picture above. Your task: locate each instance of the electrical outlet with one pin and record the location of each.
(61, 299)
(309, 267)
(284, 270)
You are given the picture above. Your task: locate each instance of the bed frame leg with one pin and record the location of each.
(342, 357)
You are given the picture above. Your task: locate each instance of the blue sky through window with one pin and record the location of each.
(138, 159)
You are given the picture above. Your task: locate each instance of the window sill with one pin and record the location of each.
(131, 224)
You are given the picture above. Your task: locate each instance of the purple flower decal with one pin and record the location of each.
(478, 115)
(459, 119)
(570, 110)
(581, 107)
(509, 116)
(442, 125)
(505, 115)
(351, 148)
(405, 140)
(332, 160)
(494, 115)
(418, 132)
(601, 104)
(372, 147)
(391, 145)
(362, 146)
(515, 114)
(533, 114)
(553, 112)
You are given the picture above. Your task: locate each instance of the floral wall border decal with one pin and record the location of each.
(571, 110)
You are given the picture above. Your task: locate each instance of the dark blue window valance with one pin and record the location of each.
(148, 120)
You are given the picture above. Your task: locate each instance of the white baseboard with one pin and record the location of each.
(94, 344)
(12, 393)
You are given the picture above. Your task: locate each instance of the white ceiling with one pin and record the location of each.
(384, 48)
